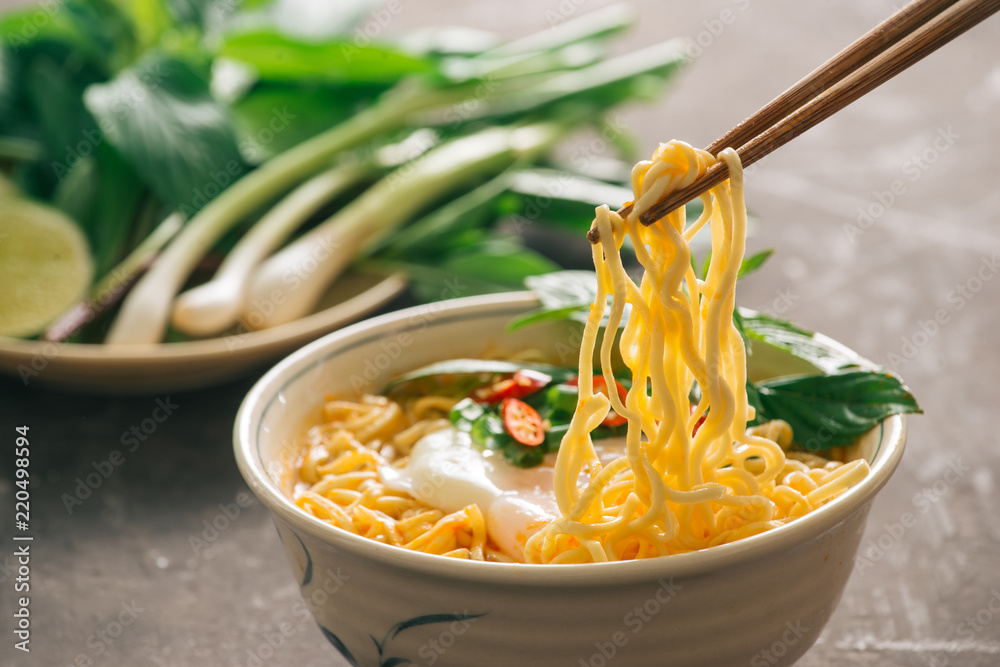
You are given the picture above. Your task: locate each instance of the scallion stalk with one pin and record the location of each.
(288, 285)
(144, 313)
(214, 306)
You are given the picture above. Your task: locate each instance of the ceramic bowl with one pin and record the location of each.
(761, 601)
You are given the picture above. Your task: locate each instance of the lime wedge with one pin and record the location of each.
(45, 266)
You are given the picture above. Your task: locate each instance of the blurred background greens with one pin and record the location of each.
(166, 163)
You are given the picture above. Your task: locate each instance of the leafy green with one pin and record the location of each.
(842, 396)
(487, 431)
(275, 116)
(499, 261)
(479, 367)
(161, 116)
(754, 262)
(435, 232)
(564, 295)
(826, 355)
(277, 57)
(832, 410)
(476, 263)
(465, 413)
(593, 89)
(747, 266)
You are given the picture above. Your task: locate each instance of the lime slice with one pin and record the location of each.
(45, 266)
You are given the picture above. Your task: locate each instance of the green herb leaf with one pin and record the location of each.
(465, 413)
(637, 75)
(563, 198)
(543, 315)
(277, 57)
(754, 262)
(499, 261)
(705, 265)
(486, 428)
(480, 367)
(563, 293)
(427, 236)
(824, 354)
(832, 410)
(160, 115)
(298, 111)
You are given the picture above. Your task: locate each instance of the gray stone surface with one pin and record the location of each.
(933, 133)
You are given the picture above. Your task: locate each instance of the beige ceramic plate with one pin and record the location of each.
(165, 367)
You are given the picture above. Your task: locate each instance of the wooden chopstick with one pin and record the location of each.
(853, 56)
(903, 39)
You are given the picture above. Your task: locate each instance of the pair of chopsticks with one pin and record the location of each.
(903, 39)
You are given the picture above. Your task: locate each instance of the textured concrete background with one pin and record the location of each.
(878, 286)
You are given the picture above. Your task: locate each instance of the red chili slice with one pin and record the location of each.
(701, 420)
(522, 421)
(601, 387)
(523, 383)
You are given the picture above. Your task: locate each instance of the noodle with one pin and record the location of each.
(341, 463)
(671, 491)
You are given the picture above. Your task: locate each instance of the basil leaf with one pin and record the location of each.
(480, 367)
(540, 316)
(831, 410)
(824, 354)
(161, 117)
(741, 329)
(754, 262)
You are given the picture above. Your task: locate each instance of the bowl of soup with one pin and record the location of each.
(761, 600)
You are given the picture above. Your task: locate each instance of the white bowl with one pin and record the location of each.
(760, 601)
